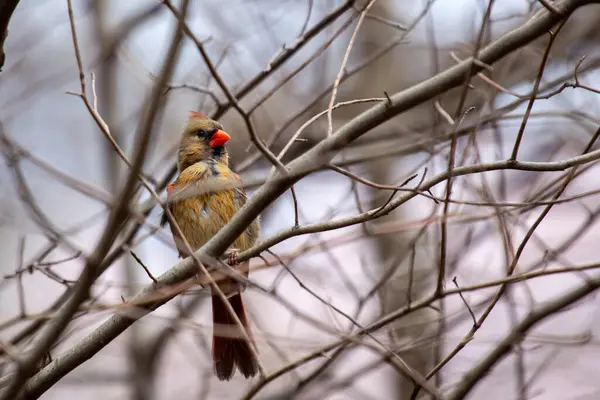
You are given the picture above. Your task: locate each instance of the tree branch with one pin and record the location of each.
(472, 377)
(320, 155)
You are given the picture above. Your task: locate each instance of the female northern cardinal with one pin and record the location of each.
(203, 162)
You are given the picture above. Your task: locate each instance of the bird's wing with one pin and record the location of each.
(189, 176)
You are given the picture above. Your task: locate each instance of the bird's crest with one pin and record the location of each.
(195, 114)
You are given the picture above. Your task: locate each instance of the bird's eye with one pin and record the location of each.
(202, 134)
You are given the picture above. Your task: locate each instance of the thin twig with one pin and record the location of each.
(536, 86)
(471, 313)
(139, 261)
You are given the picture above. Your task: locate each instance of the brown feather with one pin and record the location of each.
(230, 348)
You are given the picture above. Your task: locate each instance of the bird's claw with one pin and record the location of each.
(231, 256)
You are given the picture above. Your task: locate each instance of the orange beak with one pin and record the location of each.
(219, 138)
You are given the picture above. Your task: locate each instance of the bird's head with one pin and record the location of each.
(203, 139)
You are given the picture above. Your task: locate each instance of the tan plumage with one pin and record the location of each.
(201, 206)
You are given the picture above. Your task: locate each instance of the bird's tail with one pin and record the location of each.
(229, 346)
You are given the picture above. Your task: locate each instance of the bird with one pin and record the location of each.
(202, 199)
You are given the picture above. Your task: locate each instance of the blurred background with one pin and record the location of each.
(281, 59)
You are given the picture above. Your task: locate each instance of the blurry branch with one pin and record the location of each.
(197, 89)
(483, 368)
(110, 49)
(38, 323)
(7, 8)
(373, 184)
(129, 307)
(459, 115)
(513, 263)
(26, 366)
(254, 157)
(402, 366)
(37, 262)
(296, 135)
(16, 152)
(472, 377)
(317, 157)
(157, 344)
(394, 147)
(385, 21)
(536, 88)
(387, 358)
(81, 186)
(343, 75)
(428, 184)
(44, 267)
(289, 76)
(288, 52)
(13, 159)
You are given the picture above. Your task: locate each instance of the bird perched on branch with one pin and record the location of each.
(202, 199)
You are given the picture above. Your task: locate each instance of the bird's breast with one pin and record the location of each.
(201, 216)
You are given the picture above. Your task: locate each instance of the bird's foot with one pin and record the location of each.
(231, 256)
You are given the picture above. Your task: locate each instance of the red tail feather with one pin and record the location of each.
(229, 346)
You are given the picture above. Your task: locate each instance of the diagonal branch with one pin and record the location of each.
(472, 377)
